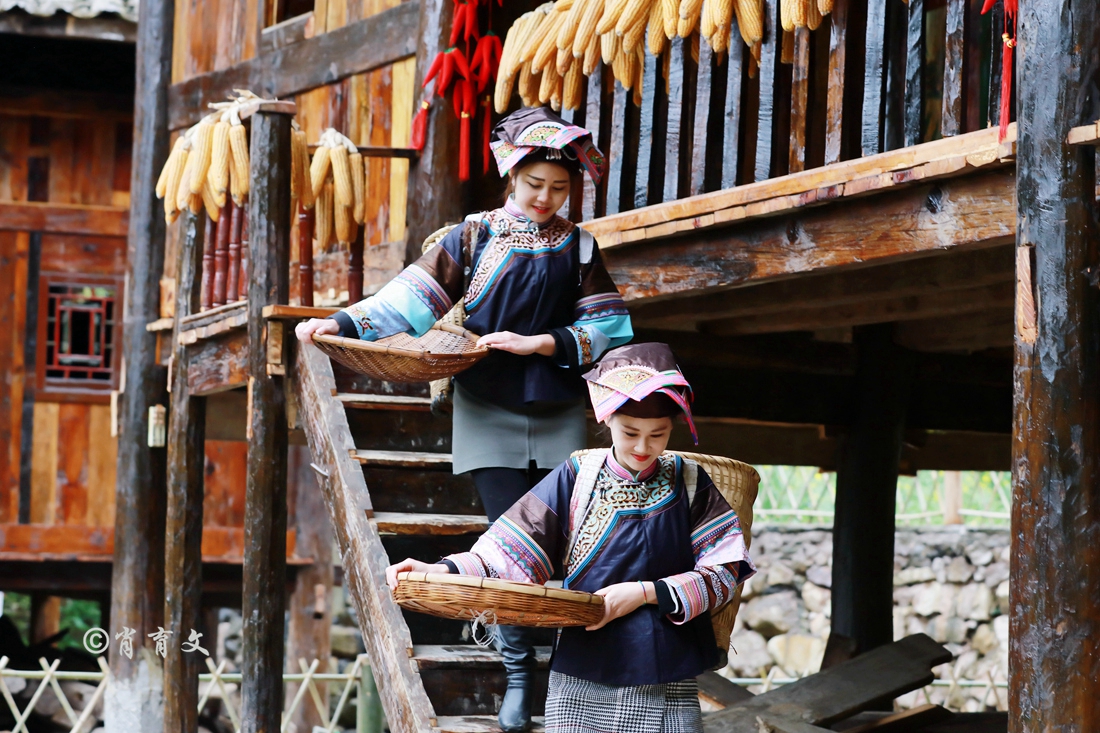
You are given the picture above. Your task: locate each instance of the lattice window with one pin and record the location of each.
(79, 334)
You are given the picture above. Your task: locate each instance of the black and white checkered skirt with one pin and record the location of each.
(578, 706)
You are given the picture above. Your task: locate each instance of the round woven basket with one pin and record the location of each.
(493, 601)
(442, 352)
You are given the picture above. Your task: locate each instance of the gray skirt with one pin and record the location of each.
(487, 436)
(578, 706)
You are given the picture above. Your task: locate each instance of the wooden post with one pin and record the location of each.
(265, 495)
(183, 531)
(731, 118)
(914, 75)
(133, 701)
(951, 498)
(208, 239)
(838, 64)
(591, 208)
(221, 257)
(1054, 598)
(242, 283)
(769, 60)
(874, 83)
(355, 267)
(435, 195)
(233, 277)
(866, 491)
(954, 69)
(305, 255)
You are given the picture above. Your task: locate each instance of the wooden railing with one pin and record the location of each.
(876, 75)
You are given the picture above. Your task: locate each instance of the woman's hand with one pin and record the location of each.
(305, 330)
(413, 566)
(619, 600)
(513, 343)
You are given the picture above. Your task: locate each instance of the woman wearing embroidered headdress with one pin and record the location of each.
(649, 532)
(535, 285)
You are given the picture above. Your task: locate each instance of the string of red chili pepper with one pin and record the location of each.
(465, 75)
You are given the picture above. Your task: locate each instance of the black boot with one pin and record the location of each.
(515, 710)
(516, 644)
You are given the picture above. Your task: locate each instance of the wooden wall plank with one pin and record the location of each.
(800, 100)
(996, 46)
(954, 71)
(704, 97)
(767, 75)
(72, 489)
(226, 473)
(9, 436)
(14, 143)
(61, 144)
(44, 463)
(616, 151)
(102, 458)
(646, 141)
(17, 369)
(83, 255)
(874, 85)
(678, 61)
(731, 118)
(403, 103)
(64, 218)
(914, 75)
(590, 208)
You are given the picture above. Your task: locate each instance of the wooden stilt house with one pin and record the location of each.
(856, 267)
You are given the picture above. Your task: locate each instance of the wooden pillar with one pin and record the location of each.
(435, 195)
(133, 700)
(265, 494)
(1054, 628)
(866, 491)
(183, 530)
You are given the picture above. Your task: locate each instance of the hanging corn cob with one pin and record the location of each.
(336, 174)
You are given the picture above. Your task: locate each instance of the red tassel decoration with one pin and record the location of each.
(420, 127)
(464, 149)
(1012, 7)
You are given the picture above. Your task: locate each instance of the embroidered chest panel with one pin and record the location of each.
(511, 238)
(614, 501)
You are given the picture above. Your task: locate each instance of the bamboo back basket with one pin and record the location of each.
(495, 601)
(739, 484)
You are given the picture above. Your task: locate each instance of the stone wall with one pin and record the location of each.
(950, 582)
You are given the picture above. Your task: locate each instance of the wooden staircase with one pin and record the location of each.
(363, 433)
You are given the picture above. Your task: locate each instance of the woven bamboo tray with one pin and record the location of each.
(492, 601)
(442, 352)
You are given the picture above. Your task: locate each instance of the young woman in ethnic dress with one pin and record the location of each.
(622, 524)
(538, 290)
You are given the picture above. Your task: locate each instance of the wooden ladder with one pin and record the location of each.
(431, 677)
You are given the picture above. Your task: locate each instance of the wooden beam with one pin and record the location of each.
(265, 494)
(435, 196)
(344, 488)
(218, 364)
(52, 218)
(840, 691)
(183, 531)
(890, 308)
(942, 272)
(137, 581)
(939, 159)
(867, 477)
(69, 104)
(975, 211)
(363, 46)
(1056, 427)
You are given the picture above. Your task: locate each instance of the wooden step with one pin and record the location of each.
(411, 523)
(478, 724)
(466, 656)
(403, 459)
(384, 402)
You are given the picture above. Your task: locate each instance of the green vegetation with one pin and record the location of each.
(76, 615)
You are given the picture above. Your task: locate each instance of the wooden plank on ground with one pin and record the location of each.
(54, 218)
(975, 211)
(907, 721)
(362, 46)
(841, 691)
(719, 692)
(385, 632)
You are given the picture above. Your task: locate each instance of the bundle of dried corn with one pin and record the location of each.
(333, 184)
(208, 161)
(552, 48)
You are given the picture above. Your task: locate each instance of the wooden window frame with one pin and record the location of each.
(48, 390)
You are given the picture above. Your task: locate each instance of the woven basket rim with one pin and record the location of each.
(380, 347)
(528, 589)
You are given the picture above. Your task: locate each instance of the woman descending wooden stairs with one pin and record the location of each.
(431, 675)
